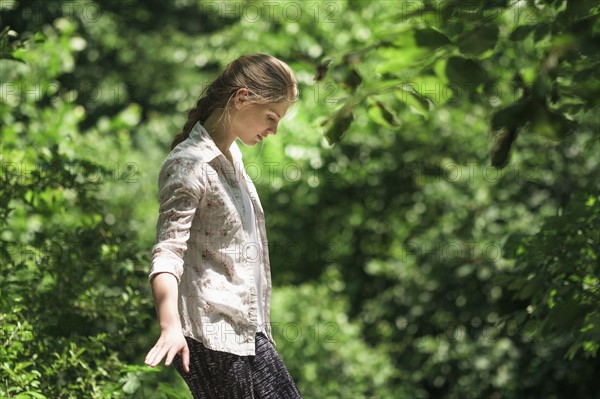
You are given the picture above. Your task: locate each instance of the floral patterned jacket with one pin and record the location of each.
(201, 240)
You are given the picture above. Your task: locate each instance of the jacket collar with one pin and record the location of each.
(204, 142)
(209, 150)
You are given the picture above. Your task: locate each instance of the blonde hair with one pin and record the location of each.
(267, 79)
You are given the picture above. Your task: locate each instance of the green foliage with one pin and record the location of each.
(70, 296)
(404, 264)
(562, 284)
(340, 123)
(323, 349)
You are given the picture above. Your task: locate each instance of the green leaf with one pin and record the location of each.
(431, 38)
(501, 150)
(550, 124)
(510, 116)
(132, 384)
(339, 124)
(30, 394)
(479, 40)
(511, 245)
(5, 56)
(381, 114)
(415, 98)
(521, 32)
(465, 71)
(563, 316)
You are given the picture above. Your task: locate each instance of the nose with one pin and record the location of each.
(272, 130)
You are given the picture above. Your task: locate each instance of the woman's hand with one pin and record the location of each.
(171, 340)
(170, 343)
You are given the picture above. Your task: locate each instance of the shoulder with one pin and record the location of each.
(183, 164)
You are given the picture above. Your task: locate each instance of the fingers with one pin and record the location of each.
(155, 356)
(170, 350)
(170, 357)
(150, 356)
(157, 353)
(185, 356)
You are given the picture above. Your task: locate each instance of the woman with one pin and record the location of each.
(210, 271)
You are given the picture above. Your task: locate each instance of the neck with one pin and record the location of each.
(216, 128)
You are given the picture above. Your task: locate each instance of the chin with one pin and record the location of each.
(249, 143)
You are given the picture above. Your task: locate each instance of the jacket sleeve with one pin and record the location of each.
(180, 187)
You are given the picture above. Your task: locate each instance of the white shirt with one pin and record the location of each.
(252, 250)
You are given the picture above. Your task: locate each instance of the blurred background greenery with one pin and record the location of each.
(433, 200)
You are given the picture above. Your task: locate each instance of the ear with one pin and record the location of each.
(240, 97)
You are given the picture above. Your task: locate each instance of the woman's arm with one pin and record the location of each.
(180, 190)
(171, 341)
(164, 289)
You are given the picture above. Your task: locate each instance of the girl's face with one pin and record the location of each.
(253, 122)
